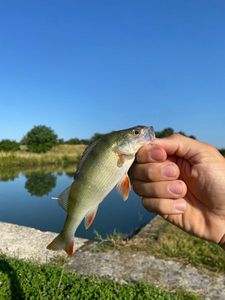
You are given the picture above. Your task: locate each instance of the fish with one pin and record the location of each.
(104, 165)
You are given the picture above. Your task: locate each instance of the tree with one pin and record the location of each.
(40, 139)
(164, 133)
(222, 151)
(9, 145)
(96, 136)
(39, 184)
(73, 141)
(61, 141)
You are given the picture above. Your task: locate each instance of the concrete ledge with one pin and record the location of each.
(29, 243)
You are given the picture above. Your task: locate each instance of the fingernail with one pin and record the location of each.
(180, 206)
(157, 154)
(170, 171)
(176, 187)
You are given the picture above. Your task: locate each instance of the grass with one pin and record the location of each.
(59, 155)
(12, 173)
(21, 280)
(173, 242)
(165, 240)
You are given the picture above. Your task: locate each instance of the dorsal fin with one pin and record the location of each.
(84, 156)
(62, 199)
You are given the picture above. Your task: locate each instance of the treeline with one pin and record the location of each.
(41, 139)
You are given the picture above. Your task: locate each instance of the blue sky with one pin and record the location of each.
(82, 67)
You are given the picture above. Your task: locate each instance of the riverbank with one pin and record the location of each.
(59, 155)
(127, 262)
(22, 280)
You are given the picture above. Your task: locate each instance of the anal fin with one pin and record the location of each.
(89, 218)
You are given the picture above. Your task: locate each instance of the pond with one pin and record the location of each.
(25, 199)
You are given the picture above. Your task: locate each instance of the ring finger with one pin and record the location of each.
(165, 189)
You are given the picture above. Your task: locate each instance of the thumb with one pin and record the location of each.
(180, 145)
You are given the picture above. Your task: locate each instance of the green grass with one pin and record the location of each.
(12, 173)
(165, 240)
(21, 280)
(59, 155)
(173, 242)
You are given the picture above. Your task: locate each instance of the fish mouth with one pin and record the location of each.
(149, 133)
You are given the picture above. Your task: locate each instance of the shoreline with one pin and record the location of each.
(61, 155)
(29, 244)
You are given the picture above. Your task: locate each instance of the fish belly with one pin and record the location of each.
(92, 186)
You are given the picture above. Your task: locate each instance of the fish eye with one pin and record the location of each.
(136, 131)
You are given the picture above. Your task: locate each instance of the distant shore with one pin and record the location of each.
(60, 155)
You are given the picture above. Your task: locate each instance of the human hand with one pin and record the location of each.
(183, 180)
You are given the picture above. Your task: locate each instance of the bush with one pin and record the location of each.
(39, 184)
(8, 145)
(40, 139)
(222, 151)
(73, 141)
(164, 133)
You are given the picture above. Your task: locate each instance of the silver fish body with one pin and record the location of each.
(103, 166)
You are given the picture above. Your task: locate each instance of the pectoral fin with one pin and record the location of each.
(122, 158)
(89, 218)
(124, 187)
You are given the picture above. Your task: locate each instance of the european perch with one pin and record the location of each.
(103, 166)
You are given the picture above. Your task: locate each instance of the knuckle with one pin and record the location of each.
(211, 148)
(176, 136)
(160, 207)
(148, 172)
(145, 202)
(136, 187)
(133, 170)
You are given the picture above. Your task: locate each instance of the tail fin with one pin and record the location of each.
(61, 243)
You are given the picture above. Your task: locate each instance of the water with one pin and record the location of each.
(25, 199)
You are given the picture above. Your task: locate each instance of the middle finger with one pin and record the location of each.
(155, 171)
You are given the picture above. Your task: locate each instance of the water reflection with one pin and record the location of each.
(9, 174)
(38, 184)
(12, 173)
(21, 191)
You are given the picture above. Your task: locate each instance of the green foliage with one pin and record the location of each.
(40, 184)
(173, 242)
(61, 141)
(22, 280)
(169, 131)
(164, 133)
(40, 139)
(190, 136)
(222, 151)
(84, 141)
(73, 141)
(76, 141)
(9, 145)
(95, 137)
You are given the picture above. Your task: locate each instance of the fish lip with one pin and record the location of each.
(150, 134)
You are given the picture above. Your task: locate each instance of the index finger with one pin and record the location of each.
(151, 153)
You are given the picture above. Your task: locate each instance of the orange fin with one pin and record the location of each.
(124, 187)
(59, 243)
(89, 218)
(71, 249)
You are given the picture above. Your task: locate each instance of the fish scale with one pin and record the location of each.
(104, 165)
